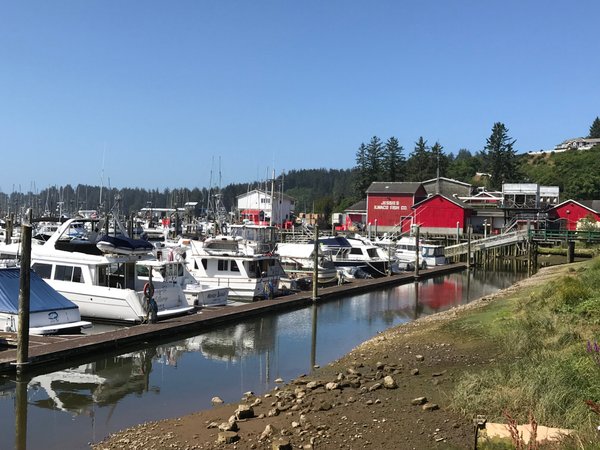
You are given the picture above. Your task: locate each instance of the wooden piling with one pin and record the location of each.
(24, 297)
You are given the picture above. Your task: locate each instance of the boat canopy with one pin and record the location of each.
(42, 297)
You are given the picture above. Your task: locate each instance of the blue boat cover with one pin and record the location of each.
(42, 297)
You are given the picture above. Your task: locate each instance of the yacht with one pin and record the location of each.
(359, 252)
(106, 286)
(228, 261)
(430, 254)
(297, 260)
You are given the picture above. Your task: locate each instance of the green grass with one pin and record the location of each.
(543, 367)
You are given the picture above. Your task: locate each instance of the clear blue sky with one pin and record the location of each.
(166, 89)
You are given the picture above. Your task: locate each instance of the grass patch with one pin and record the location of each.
(544, 369)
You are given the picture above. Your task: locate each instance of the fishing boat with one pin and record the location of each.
(297, 260)
(430, 254)
(49, 311)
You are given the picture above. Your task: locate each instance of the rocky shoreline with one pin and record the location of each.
(388, 393)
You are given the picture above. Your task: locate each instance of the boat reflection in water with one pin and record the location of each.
(71, 408)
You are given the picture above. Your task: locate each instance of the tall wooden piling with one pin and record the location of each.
(417, 251)
(315, 278)
(24, 297)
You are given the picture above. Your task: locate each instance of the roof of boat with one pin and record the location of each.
(42, 297)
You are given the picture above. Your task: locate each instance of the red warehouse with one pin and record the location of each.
(441, 215)
(389, 205)
(569, 212)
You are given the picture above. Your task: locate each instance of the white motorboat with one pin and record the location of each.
(429, 254)
(357, 251)
(175, 271)
(50, 312)
(226, 261)
(297, 260)
(105, 286)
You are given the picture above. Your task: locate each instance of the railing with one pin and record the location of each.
(565, 235)
(489, 242)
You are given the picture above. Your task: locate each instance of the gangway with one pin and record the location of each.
(498, 240)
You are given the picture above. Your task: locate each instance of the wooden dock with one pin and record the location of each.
(62, 351)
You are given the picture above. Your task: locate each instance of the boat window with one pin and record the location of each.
(234, 267)
(142, 271)
(355, 251)
(43, 270)
(372, 252)
(63, 273)
(77, 275)
(223, 265)
(205, 263)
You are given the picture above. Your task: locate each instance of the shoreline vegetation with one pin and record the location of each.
(528, 352)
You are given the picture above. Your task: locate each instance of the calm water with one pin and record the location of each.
(69, 409)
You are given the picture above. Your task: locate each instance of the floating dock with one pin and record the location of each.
(48, 351)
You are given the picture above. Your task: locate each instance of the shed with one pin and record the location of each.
(568, 213)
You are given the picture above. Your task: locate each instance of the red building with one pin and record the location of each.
(441, 215)
(569, 212)
(389, 204)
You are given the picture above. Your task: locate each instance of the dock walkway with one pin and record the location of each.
(45, 351)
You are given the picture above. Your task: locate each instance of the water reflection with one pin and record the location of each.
(69, 408)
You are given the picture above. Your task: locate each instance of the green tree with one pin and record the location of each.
(595, 129)
(438, 161)
(418, 162)
(362, 171)
(500, 156)
(375, 159)
(393, 161)
(464, 166)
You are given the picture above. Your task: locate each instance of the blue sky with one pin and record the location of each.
(164, 90)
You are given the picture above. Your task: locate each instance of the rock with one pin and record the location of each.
(313, 384)
(414, 372)
(420, 358)
(379, 365)
(227, 437)
(279, 380)
(331, 386)
(352, 371)
(269, 431)
(217, 400)
(229, 426)
(389, 382)
(419, 401)
(281, 444)
(244, 412)
(375, 387)
(438, 374)
(430, 407)
(273, 412)
(212, 425)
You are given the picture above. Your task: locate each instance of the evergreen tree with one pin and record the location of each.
(419, 161)
(393, 160)
(595, 129)
(438, 161)
(464, 166)
(362, 171)
(500, 156)
(375, 159)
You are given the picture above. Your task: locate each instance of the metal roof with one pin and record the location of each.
(394, 187)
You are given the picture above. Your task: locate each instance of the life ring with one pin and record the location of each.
(148, 290)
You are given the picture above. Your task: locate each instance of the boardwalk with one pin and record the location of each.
(64, 351)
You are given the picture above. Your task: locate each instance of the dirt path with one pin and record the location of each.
(388, 393)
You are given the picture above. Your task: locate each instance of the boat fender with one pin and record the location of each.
(148, 290)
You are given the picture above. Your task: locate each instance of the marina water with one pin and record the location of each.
(74, 407)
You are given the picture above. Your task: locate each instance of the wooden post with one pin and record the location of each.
(417, 251)
(469, 246)
(24, 297)
(21, 412)
(315, 289)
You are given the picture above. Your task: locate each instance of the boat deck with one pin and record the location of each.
(65, 351)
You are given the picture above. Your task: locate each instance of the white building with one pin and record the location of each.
(258, 207)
